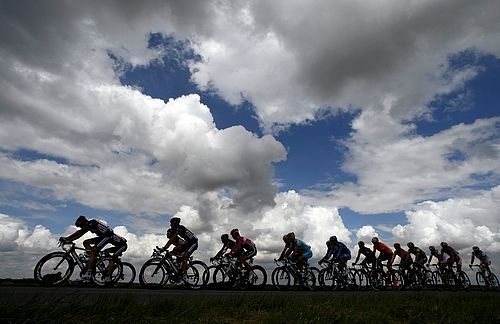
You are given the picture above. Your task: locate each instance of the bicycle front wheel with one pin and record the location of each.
(281, 278)
(223, 278)
(257, 277)
(203, 274)
(153, 275)
(493, 281)
(328, 279)
(54, 269)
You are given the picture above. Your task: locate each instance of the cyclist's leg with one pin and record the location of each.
(184, 261)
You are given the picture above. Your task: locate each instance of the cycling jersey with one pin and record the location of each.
(404, 255)
(99, 228)
(479, 254)
(300, 246)
(420, 256)
(186, 235)
(337, 250)
(382, 248)
(438, 256)
(245, 243)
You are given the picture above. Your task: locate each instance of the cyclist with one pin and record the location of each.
(368, 254)
(483, 258)
(420, 256)
(385, 252)
(228, 244)
(104, 235)
(190, 243)
(338, 251)
(177, 242)
(296, 250)
(243, 248)
(405, 257)
(453, 256)
(439, 256)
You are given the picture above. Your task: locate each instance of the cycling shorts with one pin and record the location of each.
(307, 254)
(189, 248)
(118, 248)
(99, 241)
(250, 253)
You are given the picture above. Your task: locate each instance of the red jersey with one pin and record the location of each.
(382, 248)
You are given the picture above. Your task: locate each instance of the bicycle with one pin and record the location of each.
(332, 278)
(288, 274)
(229, 273)
(161, 269)
(485, 278)
(56, 268)
(451, 279)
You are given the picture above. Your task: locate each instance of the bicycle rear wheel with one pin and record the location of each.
(54, 269)
(493, 281)
(128, 275)
(202, 269)
(106, 271)
(153, 274)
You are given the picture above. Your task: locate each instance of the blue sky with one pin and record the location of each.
(254, 116)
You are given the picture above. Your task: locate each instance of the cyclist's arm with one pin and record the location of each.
(357, 258)
(472, 259)
(236, 248)
(286, 252)
(76, 235)
(170, 241)
(430, 258)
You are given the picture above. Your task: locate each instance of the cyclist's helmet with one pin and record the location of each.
(290, 237)
(475, 248)
(410, 245)
(175, 221)
(235, 232)
(81, 221)
(375, 240)
(224, 238)
(333, 239)
(432, 248)
(444, 244)
(397, 246)
(361, 243)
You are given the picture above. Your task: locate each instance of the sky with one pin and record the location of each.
(347, 118)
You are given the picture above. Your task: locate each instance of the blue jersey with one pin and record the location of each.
(337, 250)
(299, 244)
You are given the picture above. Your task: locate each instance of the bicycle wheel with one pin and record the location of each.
(439, 282)
(464, 280)
(428, 279)
(414, 281)
(493, 280)
(223, 277)
(208, 276)
(257, 277)
(193, 279)
(54, 269)
(153, 274)
(377, 279)
(128, 275)
(481, 281)
(281, 278)
(308, 279)
(202, 269)
(315, 271)
(101, 275)
(328, 279)
(360, 279)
